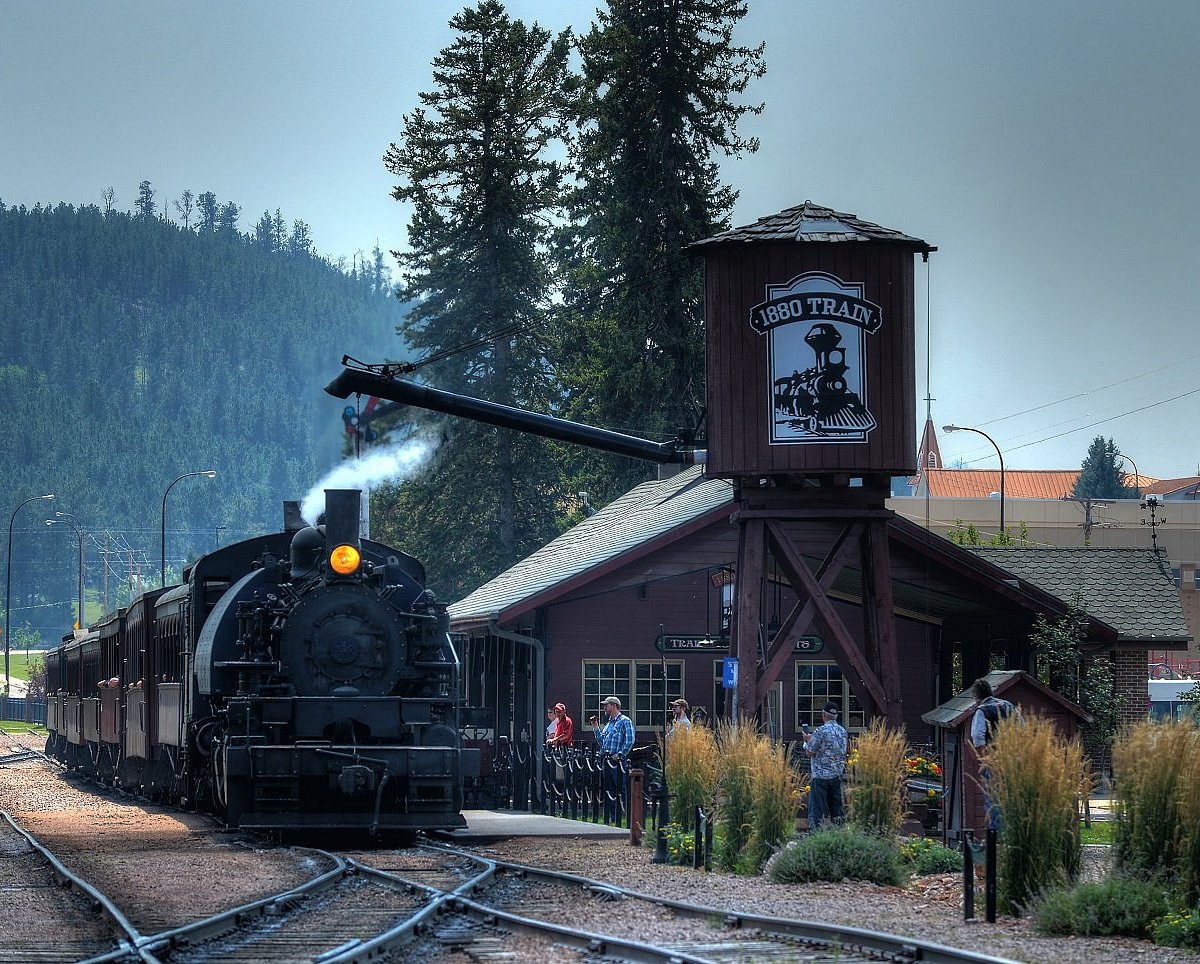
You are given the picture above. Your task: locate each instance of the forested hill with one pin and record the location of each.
(132, 350)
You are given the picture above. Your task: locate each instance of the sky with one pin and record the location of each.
(1047, 148)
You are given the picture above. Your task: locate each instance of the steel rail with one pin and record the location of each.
(456, 901)
(843, 936)
(98, 899)
(226, 920)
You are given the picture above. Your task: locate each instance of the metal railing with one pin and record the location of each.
(23, 709)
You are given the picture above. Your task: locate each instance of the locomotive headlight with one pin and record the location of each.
(345, 560)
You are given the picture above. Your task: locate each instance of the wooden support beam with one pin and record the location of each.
(879, 618)
(747, 615)
(801, 616)
(805, 583)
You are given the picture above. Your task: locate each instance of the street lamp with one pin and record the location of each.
(66, 519)
(8, 584)
(999, 454)
(1137, 479)
(162, 571)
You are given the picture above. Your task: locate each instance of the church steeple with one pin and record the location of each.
(929, 456)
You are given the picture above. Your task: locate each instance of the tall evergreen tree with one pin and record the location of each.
(207, 205)
(1101, 475)
(227, 218)
(264, 233)
(475, 162)
(663, 77)
(144, 205)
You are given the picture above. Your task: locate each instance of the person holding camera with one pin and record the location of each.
(826, 747)
(616, 740)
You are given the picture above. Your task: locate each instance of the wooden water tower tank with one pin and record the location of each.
(810, 340)
(811, 383)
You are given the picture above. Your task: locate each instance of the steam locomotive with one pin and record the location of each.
(300, 680)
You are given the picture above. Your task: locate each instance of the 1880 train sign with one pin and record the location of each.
(816, 327)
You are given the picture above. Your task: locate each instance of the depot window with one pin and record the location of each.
(638, 684)
(816, 684)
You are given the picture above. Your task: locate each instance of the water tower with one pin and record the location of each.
(810, 340)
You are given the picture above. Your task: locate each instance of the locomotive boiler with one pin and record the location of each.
(303, 679)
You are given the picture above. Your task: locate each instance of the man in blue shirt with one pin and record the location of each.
(616, 740)
(827, 746)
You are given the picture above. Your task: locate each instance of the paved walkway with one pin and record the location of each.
(513, 823)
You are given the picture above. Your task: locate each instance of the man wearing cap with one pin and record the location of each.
(616, 740)
(826, 747)
(679, 721)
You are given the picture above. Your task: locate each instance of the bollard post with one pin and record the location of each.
(636, 805)
(968, 877)
(698, 839)
(990, 876)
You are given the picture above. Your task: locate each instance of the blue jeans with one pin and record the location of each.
(613, 784)
(824, 802)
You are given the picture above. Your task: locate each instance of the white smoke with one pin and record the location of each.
(392, 464)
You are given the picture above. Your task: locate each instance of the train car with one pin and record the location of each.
(303, 679)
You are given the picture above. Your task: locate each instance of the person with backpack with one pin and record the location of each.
(989, 711)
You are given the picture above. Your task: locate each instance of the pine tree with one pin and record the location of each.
(663, 78)
(1101, 475)
(209, 210)
(144, 205)
(475, 163)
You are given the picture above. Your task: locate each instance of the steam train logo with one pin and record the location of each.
(816, 327)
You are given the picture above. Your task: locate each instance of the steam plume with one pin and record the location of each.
(392, 464)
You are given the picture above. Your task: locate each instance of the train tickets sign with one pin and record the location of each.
(816, 327)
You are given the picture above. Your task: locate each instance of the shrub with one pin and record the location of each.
(691, 756)
(1119, 905)
(1177, 929)
(838, 853)
(878, 796)
(1155, 783)
(681, 844)
(1036, 780)
(927, 856)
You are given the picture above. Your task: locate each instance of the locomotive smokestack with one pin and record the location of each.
(341, 517)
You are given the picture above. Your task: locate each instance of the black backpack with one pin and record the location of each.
(993, 713)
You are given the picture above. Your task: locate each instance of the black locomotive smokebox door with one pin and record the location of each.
(344, 636)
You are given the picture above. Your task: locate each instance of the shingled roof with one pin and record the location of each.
(809, 222)
(626, 527)
(1127, 588)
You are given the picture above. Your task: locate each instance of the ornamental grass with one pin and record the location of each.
(1157, 784)
(759, 794)
(775, 796)
(736, 743)
(1036, 778)
(878, 796)
(692, 770)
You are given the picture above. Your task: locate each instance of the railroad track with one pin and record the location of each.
(34, 880)
(709, 933)
(429, 904)
(442, 901)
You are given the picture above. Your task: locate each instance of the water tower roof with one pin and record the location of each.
(810, 222)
